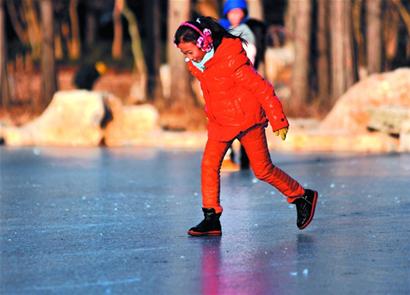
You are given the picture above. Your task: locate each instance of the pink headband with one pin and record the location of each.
(205, 40)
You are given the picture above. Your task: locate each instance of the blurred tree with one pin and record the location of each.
(350, 60)
(323, 53)
(60, 9)
(75, 41)
(4, 93)
(390, 28)
(48, 67)
(300, 73)
(118, 39)
(181, 101)
(18, 25)
(357, 12)
(33, 27)
(404, 10)
(256, 9)
(374, 36)
(138, 89)
(342, 58)
(58, 44)
(153, 48)
(178, 12)
(291, 16)
(208, 8)
(91, 25)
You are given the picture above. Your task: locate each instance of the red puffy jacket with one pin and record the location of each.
(236, 96)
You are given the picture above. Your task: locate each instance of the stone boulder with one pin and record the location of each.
(130, 125)
(380, 102)
(352, 111)
(306, 136)
(72, 119)
(388, 119)
(85, 118)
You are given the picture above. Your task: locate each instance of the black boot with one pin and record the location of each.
(210, 226)
(305, 207)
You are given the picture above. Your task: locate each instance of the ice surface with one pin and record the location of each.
(117, 220)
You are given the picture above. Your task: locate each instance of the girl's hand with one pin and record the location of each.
(282, 132)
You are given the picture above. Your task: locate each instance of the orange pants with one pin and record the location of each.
(255, 144)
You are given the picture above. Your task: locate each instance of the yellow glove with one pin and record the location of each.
(282, 132)
(101, 68)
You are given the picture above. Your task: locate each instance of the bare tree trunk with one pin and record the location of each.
(34, 31)
(300, 73)
(358, 35)
(290, 17)
(208, 8)
(158, 93)
(181, 111)
(138, 89)
(391, 35)
(343, 61)
(337, 47)
(153, 48)
(75, 44)
(405, 15)
(374, 36)
(323, 71)
(91, 28)
(256, 9)
(48, 68)
(17, 26)
(116, 49)
(58, 43)
(181, 93)
(3, 59)
(349, 56)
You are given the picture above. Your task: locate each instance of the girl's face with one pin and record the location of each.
(191, 51)
(235, 16)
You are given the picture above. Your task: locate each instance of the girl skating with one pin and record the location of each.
(238, 103)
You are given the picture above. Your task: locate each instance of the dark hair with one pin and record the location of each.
(188, 34)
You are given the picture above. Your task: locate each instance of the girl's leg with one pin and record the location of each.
(244, 159)
(255, 144)
(210, 173)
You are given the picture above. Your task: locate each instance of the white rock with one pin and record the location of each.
(131, 124)
(351, 111)
(72, 119)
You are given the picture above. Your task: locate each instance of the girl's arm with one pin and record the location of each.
(264, 92)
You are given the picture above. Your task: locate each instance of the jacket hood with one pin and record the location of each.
(231, 4)
(229, 54)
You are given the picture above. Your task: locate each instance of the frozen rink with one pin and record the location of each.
(114, 221)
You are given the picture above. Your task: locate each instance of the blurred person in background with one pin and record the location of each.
(236, 20)
(88, 74)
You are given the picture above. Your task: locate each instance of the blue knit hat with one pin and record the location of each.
(231, 4)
